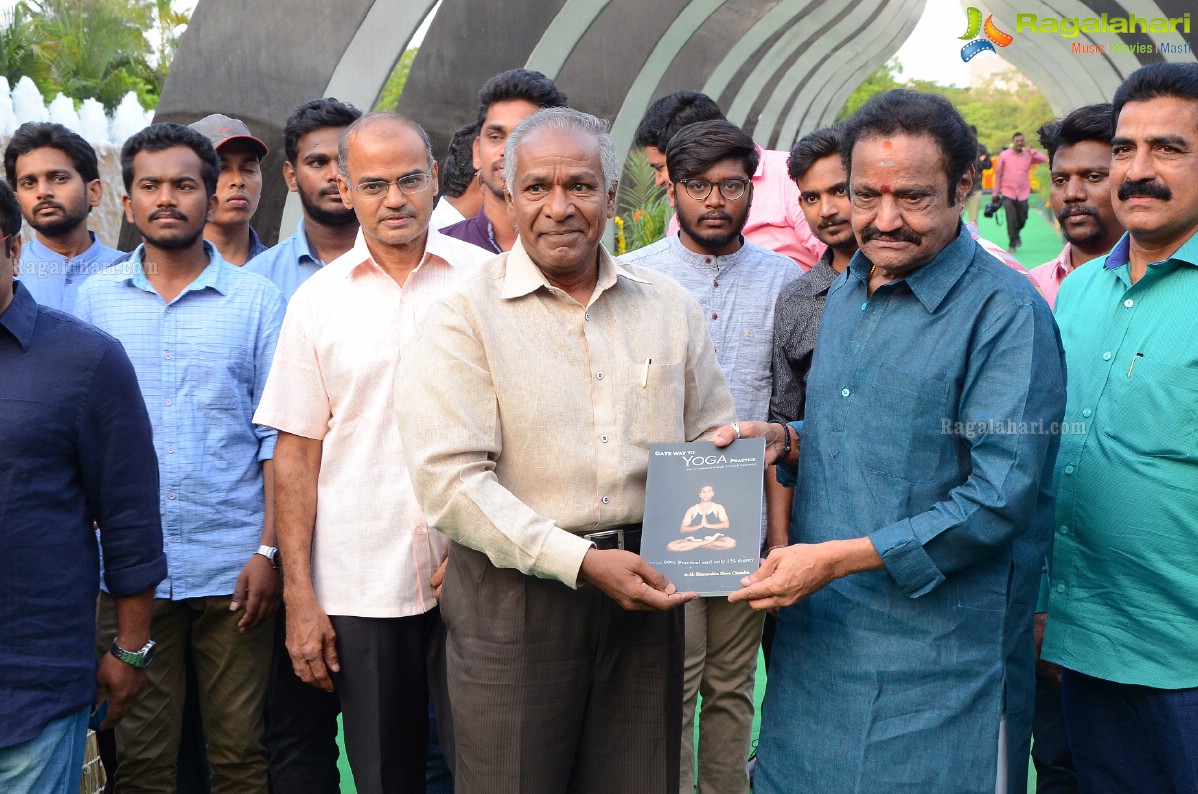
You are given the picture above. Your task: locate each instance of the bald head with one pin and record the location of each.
(379, 125)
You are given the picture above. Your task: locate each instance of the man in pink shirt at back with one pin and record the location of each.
(1079, 151)
(776, 221)
(1012, 184)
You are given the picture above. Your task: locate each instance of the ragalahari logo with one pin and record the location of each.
(990, 36)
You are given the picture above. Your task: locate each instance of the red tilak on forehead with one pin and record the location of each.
(557, 179)
(885, 188)
(887, 144)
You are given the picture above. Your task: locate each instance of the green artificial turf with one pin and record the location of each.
(1041, 240)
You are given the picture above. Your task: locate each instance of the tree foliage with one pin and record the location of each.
(91, 48)
(1002, 105)
(644, 209)
(389, 96)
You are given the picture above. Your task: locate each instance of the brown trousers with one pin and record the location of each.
(556, 690)
(232, 669)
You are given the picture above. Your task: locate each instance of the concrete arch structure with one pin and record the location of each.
(780, 68)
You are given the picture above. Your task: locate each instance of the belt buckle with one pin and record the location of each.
(608, 533)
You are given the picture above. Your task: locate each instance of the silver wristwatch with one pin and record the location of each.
(271, 553)
(139, 659)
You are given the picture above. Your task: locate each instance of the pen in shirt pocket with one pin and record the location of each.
(645, 377)
(1133, 363)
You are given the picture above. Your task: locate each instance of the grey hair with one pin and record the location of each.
(563, 119)
(370, 118)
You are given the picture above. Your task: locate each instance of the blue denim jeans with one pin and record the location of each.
(1129, 739)
(49, 763)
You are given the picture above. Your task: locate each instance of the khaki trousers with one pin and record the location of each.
(722, 640)
(232, 669)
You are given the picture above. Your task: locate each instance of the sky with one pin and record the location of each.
(929, 54)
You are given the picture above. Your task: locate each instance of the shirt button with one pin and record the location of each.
(420, 529)
(168, 401)
(174, 538)
(1064, 530)
(715, 316)
(587, 316)
(844, 392)
(70, 281)
(715, 283)
(603, 439)
(1106, 356)
(1086, 413)
(168, 309)
(708, 260)
(599, 376)
(1060, 588)
(167, 356)
(1129, 303)
(170, 450)
(864, 305)
(170, 496)
(1069, 469)
(605, 499)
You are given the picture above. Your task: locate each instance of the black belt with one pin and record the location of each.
(627, 537)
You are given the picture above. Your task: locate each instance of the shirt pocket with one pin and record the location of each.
(655, 403)
(752, 370)
(902, 419)
(1154, 411)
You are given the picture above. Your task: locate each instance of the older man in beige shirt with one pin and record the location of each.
(357, 553)
(555, 368)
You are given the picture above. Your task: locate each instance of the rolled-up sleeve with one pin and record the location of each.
(120, 476)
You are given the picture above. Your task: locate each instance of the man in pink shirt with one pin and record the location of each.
(1012, 185)
(1079, 151)
(358, 557)
(776, 221)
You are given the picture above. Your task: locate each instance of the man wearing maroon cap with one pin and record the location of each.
(238, 189)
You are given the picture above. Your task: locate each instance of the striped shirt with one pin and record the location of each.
(201, 361)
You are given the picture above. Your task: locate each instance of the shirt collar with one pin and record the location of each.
(213, 275)
(435, 244)
(1120, 255)
(819, 278)
(21, 315)
(707, 261)
(523, 277)
(302, 247)
(256, 246)
(931, 282)
(43, 252)
(1063, 264)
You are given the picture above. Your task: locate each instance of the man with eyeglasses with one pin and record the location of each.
(358, 557)
(737, 285)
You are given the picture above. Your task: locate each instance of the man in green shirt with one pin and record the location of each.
(1123, 614)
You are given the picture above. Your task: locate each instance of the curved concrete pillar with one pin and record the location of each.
(363, 69)
(803, 98)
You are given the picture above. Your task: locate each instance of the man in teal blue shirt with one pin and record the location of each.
(1123, 610)
(904, 659)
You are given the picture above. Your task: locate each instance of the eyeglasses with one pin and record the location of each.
(731, 188)
(377, 188)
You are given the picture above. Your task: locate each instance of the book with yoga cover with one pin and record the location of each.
(702, 526)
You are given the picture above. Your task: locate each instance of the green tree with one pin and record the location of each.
(389, 96)
(92, 48)
(883, 79)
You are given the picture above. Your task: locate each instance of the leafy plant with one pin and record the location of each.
(643, 207)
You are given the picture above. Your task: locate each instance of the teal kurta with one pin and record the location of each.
(1124, 597)
(931, 419)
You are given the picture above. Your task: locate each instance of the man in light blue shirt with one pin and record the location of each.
(328, 228)
(55, 176)
(201, 334)
(737, 284)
